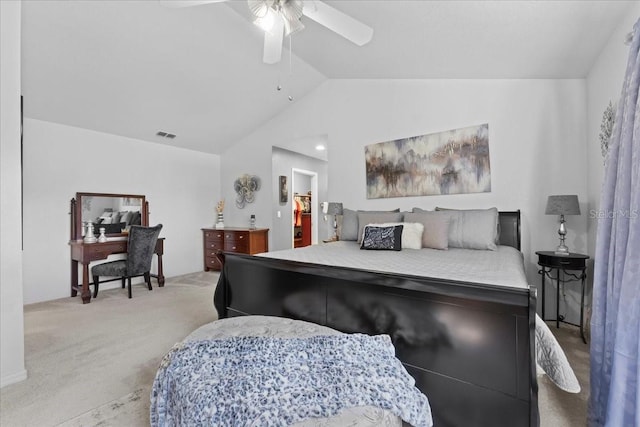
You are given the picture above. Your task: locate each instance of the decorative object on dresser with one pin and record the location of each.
(140, 248)
(549, 261)
(246, 187)
(220, 218)
(562, 205)
(116, 213)
(232, 239)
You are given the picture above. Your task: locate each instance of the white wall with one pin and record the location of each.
(604, 85)
(536, 138)
(11, 321)
(181, 186)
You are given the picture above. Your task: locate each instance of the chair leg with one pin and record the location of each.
(129, 281)
(123, 279)
(147, 278)
(95, 286)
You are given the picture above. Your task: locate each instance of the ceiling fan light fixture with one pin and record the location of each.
(267, 21)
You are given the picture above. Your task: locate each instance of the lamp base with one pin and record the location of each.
(562, 250)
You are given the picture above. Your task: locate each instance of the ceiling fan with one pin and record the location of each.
(280, 18)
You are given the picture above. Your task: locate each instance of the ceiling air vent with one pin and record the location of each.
(165, 134)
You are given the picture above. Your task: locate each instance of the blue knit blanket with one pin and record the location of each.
(270, 381)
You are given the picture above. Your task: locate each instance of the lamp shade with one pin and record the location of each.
(563, 205)
(334, 208)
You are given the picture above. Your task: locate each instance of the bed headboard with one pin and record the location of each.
(509, 222)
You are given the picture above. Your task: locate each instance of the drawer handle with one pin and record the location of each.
(565, 262)
(219, 235)
(242, 237)
(206, 234)
(233, 248)
(213, 253)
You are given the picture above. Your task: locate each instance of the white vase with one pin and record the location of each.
(220, 223)
(102, 238)
(88, 236)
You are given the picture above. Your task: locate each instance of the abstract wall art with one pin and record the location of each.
(450, 162)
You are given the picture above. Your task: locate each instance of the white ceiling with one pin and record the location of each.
(132, 68)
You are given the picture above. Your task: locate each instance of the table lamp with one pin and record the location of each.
(562, 205)
(335, 209)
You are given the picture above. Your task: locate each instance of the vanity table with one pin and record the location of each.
(83, 209)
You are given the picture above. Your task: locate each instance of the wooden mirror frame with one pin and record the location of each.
(76, 212)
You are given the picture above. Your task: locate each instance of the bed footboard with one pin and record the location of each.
(469, 346)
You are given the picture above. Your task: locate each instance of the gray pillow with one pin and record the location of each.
(473, 228)
(373, 217)
(349, 229)
(436, 228)
(348, 223)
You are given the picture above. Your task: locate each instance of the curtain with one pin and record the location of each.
(615, 325)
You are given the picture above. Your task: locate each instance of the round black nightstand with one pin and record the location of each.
(550, 261)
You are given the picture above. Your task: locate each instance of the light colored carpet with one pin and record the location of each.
(94, 364)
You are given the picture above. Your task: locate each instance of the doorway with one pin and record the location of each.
(304, 205)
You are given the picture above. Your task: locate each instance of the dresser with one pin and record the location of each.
(239, 240)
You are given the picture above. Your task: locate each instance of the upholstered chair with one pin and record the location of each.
(140, 247)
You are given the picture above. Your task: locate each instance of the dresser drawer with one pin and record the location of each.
(241, 236)
(97, 251)
(214, 236)
(241, 246)
(212, 263)
(213, 245)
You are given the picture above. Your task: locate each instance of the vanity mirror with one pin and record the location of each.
(113, 212)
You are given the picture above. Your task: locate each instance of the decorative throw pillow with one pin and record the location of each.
(436, 228)
(473, 228)
(373, 217)
(348, 228)
(382, 238)
(411, 233)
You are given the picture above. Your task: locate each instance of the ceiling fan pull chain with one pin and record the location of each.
(290, 68)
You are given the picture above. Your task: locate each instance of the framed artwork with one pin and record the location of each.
(284, 193)
(450, 162)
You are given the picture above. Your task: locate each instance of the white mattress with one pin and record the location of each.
(503, 267)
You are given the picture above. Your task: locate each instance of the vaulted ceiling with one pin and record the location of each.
(133, 68)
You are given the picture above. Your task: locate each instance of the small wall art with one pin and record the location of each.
(246, 187)
(450, 162)
(283, 191)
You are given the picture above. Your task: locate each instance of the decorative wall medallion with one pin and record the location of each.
(606, 129)
(246, 187)
(451, 162)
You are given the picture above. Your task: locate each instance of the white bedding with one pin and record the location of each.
(503, 267)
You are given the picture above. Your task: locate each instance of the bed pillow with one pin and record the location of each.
(349, 226)
(473, 228)
(347, 223)
(382, 238)
(435, 226)
(411, 233)
(372, 217)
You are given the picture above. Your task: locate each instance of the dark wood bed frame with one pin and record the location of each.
(469, 346)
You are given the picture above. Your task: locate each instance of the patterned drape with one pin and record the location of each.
(615, 325)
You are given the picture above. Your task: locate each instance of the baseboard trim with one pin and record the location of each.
(13, 378)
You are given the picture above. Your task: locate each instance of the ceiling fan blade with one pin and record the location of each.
(273, 43)
(348, 27)
(174, 4)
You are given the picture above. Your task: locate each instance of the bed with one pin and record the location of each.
(469, 344)
(462, 321)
